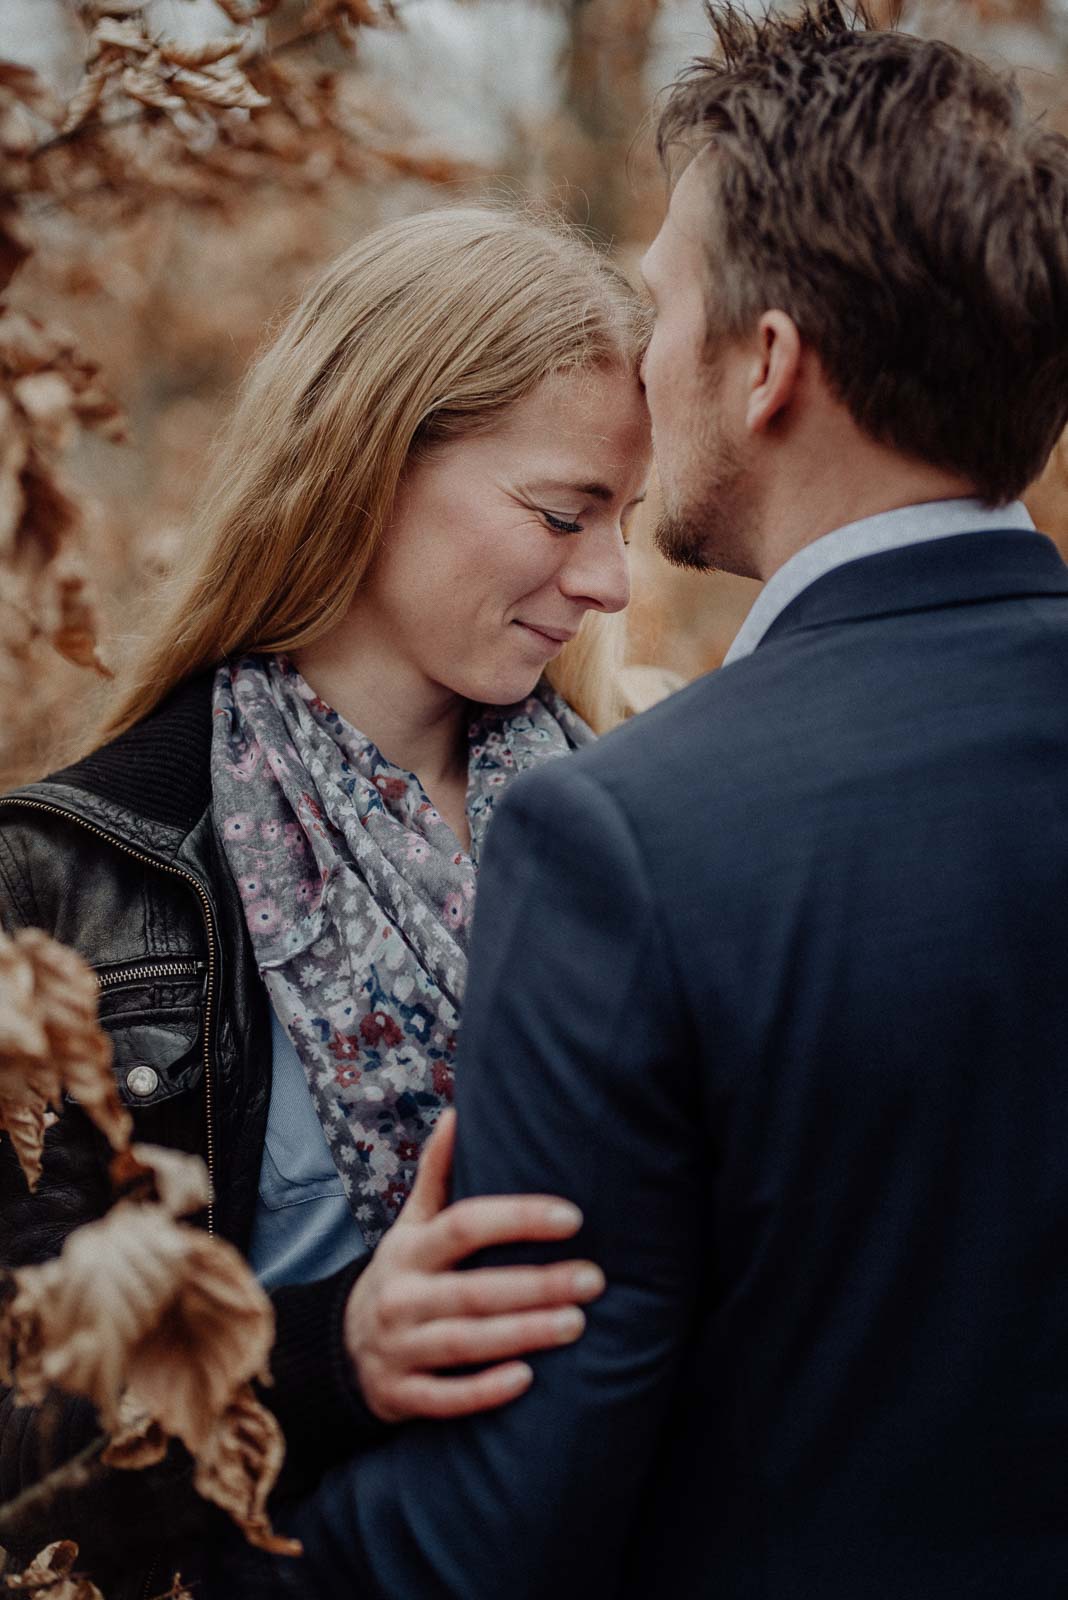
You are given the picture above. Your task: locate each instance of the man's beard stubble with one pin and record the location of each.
(711, 531)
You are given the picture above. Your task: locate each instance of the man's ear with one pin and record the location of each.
(775, 371)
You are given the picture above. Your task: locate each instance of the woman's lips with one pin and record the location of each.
(551, 639)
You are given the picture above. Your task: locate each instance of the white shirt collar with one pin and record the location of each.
(888, 530)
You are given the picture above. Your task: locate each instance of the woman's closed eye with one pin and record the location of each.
(560, 524)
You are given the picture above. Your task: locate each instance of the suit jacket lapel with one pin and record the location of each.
(961, 569)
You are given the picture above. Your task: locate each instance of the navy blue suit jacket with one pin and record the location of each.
(773, 982)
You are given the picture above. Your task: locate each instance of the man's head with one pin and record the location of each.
(866, 227)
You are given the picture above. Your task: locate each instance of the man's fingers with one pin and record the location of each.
(430, 1191)
(493, 1291)
(487, 1220)
(426, 1396)
(470, 1341)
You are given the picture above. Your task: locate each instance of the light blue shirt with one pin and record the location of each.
(870, 536)
(303, 1228)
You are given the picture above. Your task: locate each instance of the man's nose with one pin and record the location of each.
(598, 575)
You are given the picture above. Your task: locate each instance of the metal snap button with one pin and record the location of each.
(142, 1081)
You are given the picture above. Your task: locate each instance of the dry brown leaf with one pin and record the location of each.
(200, 55)
(344, 14)
(14, 247)
(65, 990)
(50, 1039)
(51, 518)
(51, 1574)
(47, 400)
(244, 11)
(73, 632)
(170, 1178)
(138, 1442)
(177, 1590)
(140, 1305)
(128, 34)
(26, 345)
(29, 1079)
(115, 8)
(145, 86)
(231, 93)
(25, 85)
(13, 450)
(239, 1466)
(86, 98)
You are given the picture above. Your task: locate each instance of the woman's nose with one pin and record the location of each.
(598, 574)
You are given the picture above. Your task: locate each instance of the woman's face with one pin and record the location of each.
(501, 543)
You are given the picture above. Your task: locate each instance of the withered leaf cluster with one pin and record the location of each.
(163, 1327)
(51, 1574)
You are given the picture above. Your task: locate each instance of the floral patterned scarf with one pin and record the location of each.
(359, 903)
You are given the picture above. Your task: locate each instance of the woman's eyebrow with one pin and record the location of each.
(595, 491)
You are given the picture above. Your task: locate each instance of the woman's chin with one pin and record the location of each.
(503, 688)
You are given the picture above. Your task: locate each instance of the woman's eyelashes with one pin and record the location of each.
(560, 524)
(563, 525)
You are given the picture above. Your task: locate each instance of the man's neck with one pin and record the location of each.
(795, 513)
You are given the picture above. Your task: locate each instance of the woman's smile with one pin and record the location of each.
(550, 641)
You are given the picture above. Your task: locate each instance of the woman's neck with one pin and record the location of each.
(417, 725)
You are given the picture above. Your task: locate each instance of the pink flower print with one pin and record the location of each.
(244, 768)
(264, 917)
(347, 1077)
(343, 1047)
(391, 788)
(277, 762)
(271, 831)
(307, 894)
(378, 1027)
(239, 826)
(249, 887)
(293, 834)
(443, 1079)
(418, 850)
(454, 912)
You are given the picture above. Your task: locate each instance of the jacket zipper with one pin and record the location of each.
(209, 918)
(147, 969)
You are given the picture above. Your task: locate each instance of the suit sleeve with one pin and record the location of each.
(576, 1078)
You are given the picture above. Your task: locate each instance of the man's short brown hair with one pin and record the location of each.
(892, 197)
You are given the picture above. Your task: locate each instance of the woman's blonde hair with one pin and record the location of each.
(426, 330)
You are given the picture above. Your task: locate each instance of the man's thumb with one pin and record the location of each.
(430, 1192)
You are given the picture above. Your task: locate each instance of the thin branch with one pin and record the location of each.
(73, 1474)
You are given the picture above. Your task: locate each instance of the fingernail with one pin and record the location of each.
(563, 1215)
(520, 1376)
(588, 1281)
(568, 1324)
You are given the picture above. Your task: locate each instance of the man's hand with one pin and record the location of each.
(410, 1315)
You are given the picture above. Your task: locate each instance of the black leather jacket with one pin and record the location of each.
(118, 857)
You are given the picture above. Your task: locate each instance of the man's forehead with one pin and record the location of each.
(685, 226)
